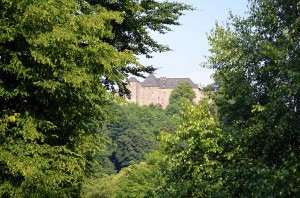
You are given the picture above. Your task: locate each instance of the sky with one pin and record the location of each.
(189, 41)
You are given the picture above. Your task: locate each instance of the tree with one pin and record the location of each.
(140, 18)
(137, 180)
(51, 61)
(134, 131)
(56, 66)
(179, 96)
(257, 67)
(192, 155)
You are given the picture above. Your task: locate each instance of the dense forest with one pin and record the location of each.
(66, 130)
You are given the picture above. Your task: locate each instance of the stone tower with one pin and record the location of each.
(134, 87)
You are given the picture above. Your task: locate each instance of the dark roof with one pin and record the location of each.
(171, 83)
(163, 83)
(150, 81)
(132, 79)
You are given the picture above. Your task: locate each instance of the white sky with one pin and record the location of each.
(189, 41)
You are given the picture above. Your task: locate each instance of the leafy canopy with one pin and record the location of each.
(137, 180)
(57, 60)
(140, 18)
(134, 132)
(179, 96)
(257, 67)
(191, 154)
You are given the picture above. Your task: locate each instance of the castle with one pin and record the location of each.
(157, 90)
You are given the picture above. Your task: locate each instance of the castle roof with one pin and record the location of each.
(150, 81)
(163, 83)
(171, 83)
(132, 79)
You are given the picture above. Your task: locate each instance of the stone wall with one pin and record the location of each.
(153, 95)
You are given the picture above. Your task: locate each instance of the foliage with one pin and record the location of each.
(209, 87)
(140, 18)
(192, 155)
(138, 180)
(179, 96)
(184, 91)
(257, 67)
(57, 58)
(134, 131)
